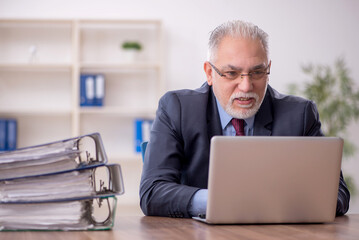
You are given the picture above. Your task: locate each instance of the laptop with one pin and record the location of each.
(265, 180)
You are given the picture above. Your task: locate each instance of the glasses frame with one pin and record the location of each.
(241, 75)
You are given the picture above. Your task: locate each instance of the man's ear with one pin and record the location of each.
(270, 65)
(208, 70)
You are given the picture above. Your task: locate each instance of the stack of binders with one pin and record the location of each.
(64, 185)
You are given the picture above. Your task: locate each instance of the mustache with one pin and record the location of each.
(244, 95)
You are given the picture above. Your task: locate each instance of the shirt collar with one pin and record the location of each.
(226, 118)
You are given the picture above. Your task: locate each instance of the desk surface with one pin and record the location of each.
(137, 227)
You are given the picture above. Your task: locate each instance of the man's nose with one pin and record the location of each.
(245, 83)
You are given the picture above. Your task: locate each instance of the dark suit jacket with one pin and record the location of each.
(177, 156)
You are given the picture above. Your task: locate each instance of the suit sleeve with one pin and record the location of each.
(161, 191)
(343, 197)
(312, 127)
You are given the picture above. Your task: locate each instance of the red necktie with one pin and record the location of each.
(238, 125)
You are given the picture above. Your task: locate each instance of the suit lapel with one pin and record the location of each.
(264, 118)
(213, 122)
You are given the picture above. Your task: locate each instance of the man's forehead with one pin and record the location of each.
(235, 51)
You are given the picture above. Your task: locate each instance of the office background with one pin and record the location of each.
(300, 32)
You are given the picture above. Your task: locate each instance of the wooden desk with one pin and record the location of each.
(133, 228)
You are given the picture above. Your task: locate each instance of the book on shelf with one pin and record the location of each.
(92, 90)
(142, 132)
(74, 180)
(8, 134)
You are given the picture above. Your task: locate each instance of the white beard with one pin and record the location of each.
(247, 111)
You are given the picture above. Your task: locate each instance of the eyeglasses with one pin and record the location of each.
(257, 74)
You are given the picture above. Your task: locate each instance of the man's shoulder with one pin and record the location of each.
(184, 94)
(188, 102)
(280, 98)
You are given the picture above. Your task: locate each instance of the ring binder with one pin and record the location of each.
(16, 218)
(86, 151)
(80, 184)
(110, 216)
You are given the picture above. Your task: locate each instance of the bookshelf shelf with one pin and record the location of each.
(120, 66)
(118, 111)
(35, 67)
(35, 112)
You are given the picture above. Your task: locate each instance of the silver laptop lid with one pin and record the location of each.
(273, 179)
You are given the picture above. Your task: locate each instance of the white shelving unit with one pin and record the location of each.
(36, 65)
(40, 66)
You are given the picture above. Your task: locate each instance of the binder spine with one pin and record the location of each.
(8, 134)
(87, 83)
(11, 134)
(99, 90)
(2, 134)
(138, 135)
(142, 132)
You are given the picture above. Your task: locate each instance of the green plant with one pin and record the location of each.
(337, 100)
(131, 45)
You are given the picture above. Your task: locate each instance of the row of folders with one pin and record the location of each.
(92, 90)
(8, 134)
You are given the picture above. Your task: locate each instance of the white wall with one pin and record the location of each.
(306, 31)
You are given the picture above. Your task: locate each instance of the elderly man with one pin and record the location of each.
(235, 100)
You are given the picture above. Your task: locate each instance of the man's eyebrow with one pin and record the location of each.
(233, 67)
(259, 66)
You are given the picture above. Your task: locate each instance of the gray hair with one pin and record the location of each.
(235, 28)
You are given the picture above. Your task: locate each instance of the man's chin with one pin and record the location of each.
(242, 113)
